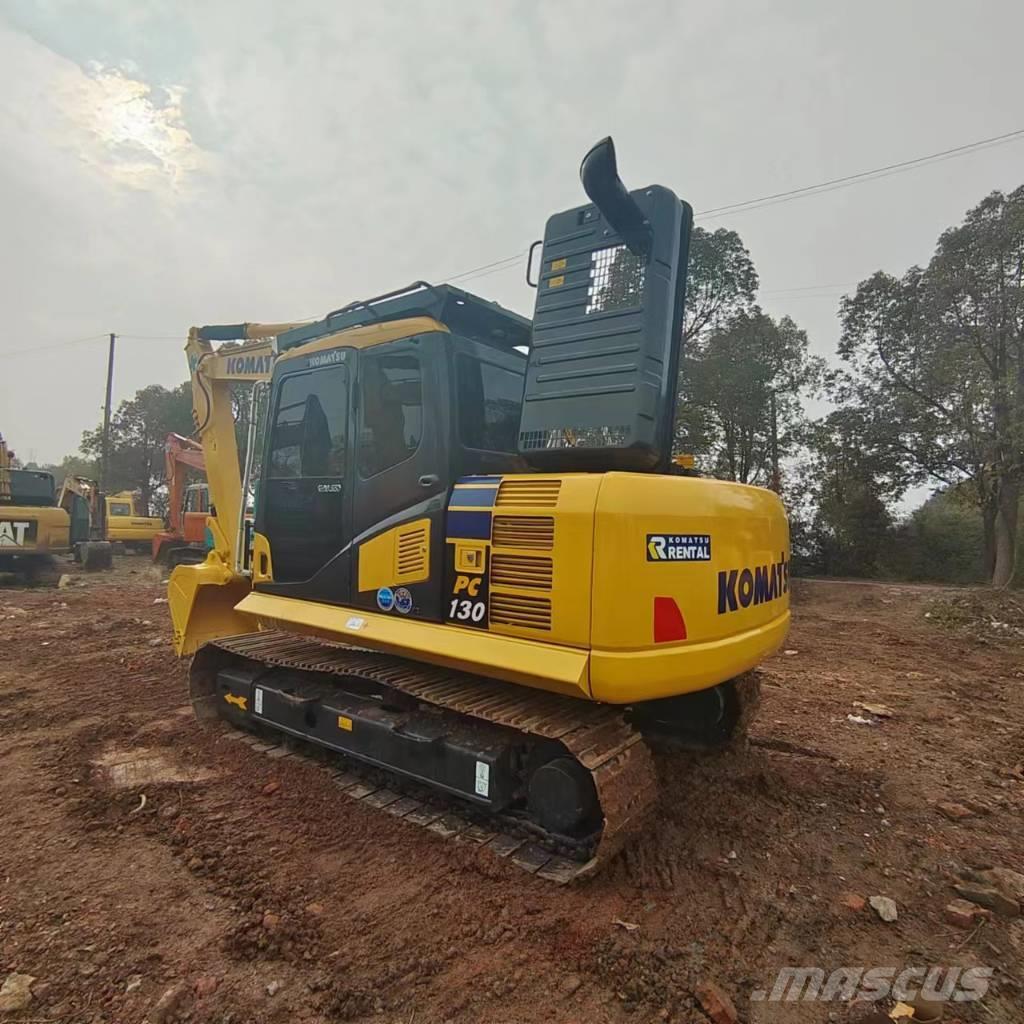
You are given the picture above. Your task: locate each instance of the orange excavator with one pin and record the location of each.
(183, 542)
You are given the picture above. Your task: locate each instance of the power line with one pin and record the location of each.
(56, 344)
(803, 192)
(92, 337)
(850, 179)
(474, 270)
(807, 190)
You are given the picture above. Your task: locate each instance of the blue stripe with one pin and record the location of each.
(469, 525)
(481, 497)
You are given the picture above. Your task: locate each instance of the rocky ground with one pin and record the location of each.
(153, 871)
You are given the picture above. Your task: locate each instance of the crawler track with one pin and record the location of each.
(612, 751)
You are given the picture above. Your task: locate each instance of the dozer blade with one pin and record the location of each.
(484, 711)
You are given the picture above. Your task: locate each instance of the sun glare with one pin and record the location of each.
(138, 134)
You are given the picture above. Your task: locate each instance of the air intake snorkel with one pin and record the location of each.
(599, 174)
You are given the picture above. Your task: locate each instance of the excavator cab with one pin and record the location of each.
(374, 413)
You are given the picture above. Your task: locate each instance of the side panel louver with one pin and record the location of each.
(536, 493)
(526, 571)
(521, 610)
(523, 532)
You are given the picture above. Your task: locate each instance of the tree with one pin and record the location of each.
(941, 352)
(942, 541)
(730, 381)
(842, 499)
(721, 280)
(137, 433)
(70, 465)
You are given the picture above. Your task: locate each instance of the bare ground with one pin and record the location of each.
(222, 893)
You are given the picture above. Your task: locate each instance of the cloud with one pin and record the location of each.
(213, 160)
(127, 129)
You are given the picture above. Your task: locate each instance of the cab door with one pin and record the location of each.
(304, 496)
(401, 476)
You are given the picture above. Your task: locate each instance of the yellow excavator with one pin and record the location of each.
(475, 570)
(33, 530)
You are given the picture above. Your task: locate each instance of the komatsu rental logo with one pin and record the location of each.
(678, 547)
(740, 588)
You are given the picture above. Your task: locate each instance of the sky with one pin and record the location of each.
(164, 164)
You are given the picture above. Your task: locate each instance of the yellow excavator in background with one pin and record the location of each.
(80, 497)
(474, 563)
(33, 530)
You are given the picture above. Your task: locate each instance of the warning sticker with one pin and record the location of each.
(257, 701)
(483, 778)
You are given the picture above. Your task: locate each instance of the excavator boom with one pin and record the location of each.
(182, 541)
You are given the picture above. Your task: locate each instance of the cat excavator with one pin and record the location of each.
(33, 529)
(475, 570)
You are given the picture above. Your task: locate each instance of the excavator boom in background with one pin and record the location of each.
(183, 542)
(474, 562)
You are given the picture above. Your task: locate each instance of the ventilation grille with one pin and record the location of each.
(616, 280)
(525, 612)
(523, 532)
(525, 571)
(574, 437)
(412, 553)
(532, 492)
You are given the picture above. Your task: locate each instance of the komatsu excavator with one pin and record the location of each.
(475, 569)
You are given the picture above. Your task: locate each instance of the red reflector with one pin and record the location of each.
(669, 623)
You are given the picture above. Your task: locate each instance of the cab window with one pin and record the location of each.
(490, 405)
(390, 410)
(120, 508)
(310, 425)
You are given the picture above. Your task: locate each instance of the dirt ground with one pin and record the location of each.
(220, 898)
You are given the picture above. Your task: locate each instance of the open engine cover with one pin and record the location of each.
(601, 379)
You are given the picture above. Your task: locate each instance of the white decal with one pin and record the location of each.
(12, 535)
(467, 611)
(483, 779)
(355, 623)
(258, 701)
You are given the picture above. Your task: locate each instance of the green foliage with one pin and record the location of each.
(721, 280)
(137, 432)
(939, 355)
(942, 541)
(70, 465)
(729, 381)
(842, 497)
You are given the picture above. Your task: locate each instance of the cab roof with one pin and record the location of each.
(462, 312)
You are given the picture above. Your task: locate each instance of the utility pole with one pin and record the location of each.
(105, 447)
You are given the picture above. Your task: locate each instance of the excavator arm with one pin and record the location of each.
(214, 373)
(179, 452)
(245, 356)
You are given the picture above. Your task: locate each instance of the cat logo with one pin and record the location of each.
(240, 702)
(12, 534)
